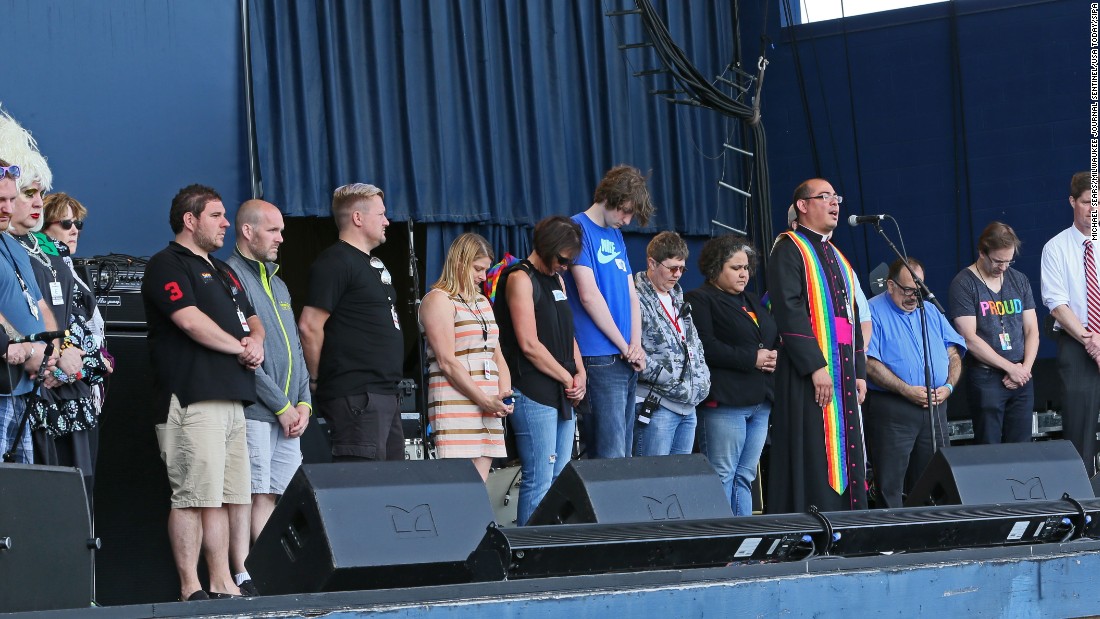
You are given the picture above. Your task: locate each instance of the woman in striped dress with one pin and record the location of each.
(468, 379)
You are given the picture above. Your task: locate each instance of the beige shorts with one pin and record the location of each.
(206, 452)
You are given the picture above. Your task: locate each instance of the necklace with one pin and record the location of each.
(480, 320)
(36, 252)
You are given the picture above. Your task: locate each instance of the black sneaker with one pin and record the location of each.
(214, 595)
(248, 589)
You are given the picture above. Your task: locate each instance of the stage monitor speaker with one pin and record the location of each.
(643, 489)
(1004, 473)
(46, 542)
(372, 525)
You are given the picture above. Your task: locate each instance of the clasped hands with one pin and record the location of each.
(253, 354)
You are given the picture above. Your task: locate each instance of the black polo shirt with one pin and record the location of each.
(364, 349)
(176, 278)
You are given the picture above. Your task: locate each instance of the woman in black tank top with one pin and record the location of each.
(536, 333)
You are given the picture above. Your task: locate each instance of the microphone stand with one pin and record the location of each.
(925, 343)
(422, 377)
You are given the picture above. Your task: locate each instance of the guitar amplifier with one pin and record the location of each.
(116, 280)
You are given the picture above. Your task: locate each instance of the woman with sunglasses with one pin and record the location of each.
(548, 378)
(993, 308)
(740, 338)
(64, 218)
(675, 378)
(469, 386)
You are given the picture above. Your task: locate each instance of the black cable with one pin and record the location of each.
(855, 138)
(958, 104)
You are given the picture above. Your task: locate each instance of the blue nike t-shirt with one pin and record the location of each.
(604, 251)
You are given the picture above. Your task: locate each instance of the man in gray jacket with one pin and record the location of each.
(274, 423)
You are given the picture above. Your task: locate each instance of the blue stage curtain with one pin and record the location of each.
(501, 111)
(515, 240)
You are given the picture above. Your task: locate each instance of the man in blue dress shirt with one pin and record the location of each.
(899, 434)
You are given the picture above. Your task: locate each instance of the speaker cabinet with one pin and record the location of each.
(45, 539)
(1005, 473)
(644, 489)
(131, 491)
(372, 525)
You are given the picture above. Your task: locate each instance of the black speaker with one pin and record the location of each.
(1005, 473)
(46, 540)
(131, 491)
(645, 489)
(372, 525)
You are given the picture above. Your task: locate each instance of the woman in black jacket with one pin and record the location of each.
(739, 341)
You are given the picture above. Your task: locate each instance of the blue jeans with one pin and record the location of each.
(545, 444)
(608, 431)
(11, 412)
(732, 439)
(666, 433)
(1000, 414)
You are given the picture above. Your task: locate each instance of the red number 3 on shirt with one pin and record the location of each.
(174, 292)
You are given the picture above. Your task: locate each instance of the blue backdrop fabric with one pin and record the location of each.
(464, 112)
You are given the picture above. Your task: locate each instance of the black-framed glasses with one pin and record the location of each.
(673, 269)
(68, 224)
(12, 170)
(828, 197)
(906, 290)
(383, 271)
(565, 262)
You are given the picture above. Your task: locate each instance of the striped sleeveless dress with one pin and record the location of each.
(459, 427)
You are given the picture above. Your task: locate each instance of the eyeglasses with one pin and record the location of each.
(828, 197)
(11, 170)
(1001, 263)
(562, 260)
(674, 269)
(906, 290)
(68, 223)
(384, 272)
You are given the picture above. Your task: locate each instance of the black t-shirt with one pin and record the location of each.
(995, 313)
(364, 348)
(176, 278)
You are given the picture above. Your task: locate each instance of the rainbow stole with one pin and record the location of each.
(819, 298)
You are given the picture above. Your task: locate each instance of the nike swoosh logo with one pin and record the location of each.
(604, 258)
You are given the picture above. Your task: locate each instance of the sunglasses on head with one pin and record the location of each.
(68, 223)
(11, 170)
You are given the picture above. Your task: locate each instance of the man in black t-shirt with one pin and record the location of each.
(205, 342)
(351, 335)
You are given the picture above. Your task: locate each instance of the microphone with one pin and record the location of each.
(44, 336)
(855, 220)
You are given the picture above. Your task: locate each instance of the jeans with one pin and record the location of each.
(666, 433)
(732, 437)
(11, 412)
(545, 443)
(608, 430)
(1001, 415)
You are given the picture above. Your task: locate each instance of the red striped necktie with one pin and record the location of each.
(1093, 290)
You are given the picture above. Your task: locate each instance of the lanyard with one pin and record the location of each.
(675, 321)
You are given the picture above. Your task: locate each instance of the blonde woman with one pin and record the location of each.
(469, 386)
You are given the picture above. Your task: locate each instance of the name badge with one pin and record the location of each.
(56, 297)
(1006, 341)
(244, 322)
(490, 369)
(559, 295)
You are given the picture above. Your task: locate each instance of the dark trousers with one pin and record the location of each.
(899, 442)
(1000, 414)
(1080, 398)
(365, 426)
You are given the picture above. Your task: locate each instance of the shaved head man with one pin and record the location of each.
(276, 421)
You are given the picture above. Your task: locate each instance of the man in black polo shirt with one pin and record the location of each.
(351, 336)
(206, 342)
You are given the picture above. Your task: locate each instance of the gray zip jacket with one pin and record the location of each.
(282, 381)
(679, 376)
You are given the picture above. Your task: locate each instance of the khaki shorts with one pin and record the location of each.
(204, 447)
